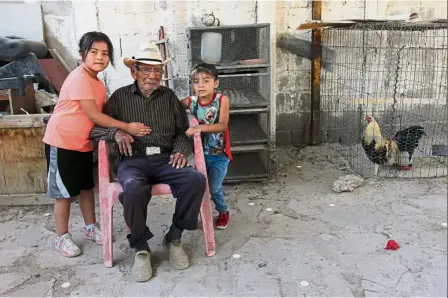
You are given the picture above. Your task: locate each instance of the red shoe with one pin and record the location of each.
(222, 220)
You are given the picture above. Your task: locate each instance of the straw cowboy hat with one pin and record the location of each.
(149, 54)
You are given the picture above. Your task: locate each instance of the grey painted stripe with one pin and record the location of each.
(56, 188)
(61, 185)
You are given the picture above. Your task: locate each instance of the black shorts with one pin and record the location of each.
(68, 172)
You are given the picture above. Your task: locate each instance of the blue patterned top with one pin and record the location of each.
(213, 143)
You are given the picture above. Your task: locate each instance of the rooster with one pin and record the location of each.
(404, 143)
(377, 149)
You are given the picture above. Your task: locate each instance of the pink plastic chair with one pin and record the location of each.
(108, 195)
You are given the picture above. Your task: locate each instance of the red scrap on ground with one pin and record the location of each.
(392, 244)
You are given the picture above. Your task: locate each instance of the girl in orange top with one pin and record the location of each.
(67, 145)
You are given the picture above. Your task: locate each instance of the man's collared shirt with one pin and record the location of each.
(162, 111)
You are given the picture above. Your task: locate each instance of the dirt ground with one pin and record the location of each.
(291, 236)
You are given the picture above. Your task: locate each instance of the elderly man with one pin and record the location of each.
(159, 157)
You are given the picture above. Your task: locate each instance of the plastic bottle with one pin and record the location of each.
(211, 47)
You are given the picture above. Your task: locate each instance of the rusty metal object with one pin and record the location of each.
(316, 10)
(163, 52)
(316, 54)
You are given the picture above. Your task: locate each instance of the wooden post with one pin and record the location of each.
(316, 54)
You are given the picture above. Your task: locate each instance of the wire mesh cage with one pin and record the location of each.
(245, 91)
(242, 48)
(241, 54)
(243, 62)
(384, 101)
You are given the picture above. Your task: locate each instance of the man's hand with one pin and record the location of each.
(178, 160)
(192, 130)
(124, 141)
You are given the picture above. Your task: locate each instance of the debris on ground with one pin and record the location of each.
(347, 183)
(304, 283)
(392, 245)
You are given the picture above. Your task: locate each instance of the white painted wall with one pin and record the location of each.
(131, 23)
(12, 23)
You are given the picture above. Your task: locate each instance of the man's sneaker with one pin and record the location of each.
(178, 257)
(93, 233)
(142, 269)
(65, 245)
(222, 220)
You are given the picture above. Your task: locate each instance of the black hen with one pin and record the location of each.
(407, 140)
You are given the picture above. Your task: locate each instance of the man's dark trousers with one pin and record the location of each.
(137, 173)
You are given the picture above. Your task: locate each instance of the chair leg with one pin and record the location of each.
(106, 235)
(207, 225)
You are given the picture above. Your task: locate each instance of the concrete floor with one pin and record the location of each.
(302, 247)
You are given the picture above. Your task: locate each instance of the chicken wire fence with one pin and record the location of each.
(396, 73)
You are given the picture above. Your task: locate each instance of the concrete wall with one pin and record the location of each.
(128, 23)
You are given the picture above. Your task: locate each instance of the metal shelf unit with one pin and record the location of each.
(248, 88)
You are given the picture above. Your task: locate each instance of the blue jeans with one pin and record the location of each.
(216, 172)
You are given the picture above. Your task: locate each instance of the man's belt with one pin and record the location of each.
(150, 150)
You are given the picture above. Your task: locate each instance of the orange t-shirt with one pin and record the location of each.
(69, 127)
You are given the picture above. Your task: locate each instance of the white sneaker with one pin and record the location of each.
(94, 234)
(65, 245)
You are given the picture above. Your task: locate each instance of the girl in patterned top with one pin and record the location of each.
(212, 111)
